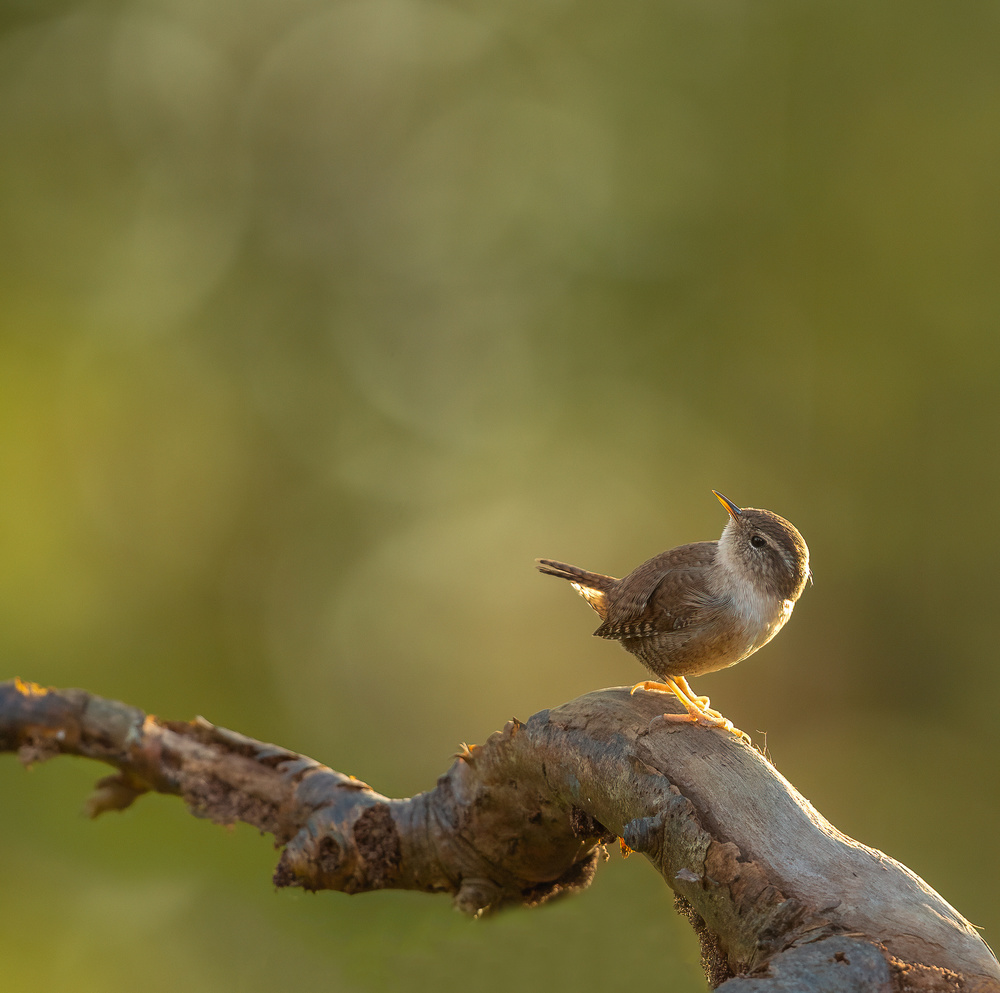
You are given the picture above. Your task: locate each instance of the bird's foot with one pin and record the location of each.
(680, 689)
(651, 684)
(707, 719)
(688, 696)
(697, 707)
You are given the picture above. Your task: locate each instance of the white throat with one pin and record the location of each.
(763, 613)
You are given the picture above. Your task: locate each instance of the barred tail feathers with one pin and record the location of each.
(592, 586)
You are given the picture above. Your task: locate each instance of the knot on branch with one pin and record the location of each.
(349, 842)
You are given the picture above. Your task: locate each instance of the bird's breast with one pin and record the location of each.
(763, 617)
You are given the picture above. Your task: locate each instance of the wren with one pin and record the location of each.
(700, 607)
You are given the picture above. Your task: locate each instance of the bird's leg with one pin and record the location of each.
(678, 685)
(697, 712)
(702, 701)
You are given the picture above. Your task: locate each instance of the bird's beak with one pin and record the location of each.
(734, 511)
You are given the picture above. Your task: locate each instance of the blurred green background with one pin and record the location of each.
(321, 320)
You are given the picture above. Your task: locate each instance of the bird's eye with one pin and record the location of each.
(757, 541)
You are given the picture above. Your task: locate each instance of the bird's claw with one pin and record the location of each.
(706, 720)
(697, 708)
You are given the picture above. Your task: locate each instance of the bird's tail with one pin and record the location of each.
(574, 574)
(592, 586)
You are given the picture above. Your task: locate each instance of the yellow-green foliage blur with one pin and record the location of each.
(320, 320)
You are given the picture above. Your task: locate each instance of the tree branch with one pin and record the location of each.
(779, 898)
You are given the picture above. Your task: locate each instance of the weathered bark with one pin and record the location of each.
(780, 899)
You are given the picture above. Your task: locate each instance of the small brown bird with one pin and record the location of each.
(700, 607)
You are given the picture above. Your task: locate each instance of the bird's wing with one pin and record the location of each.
(667, 593)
